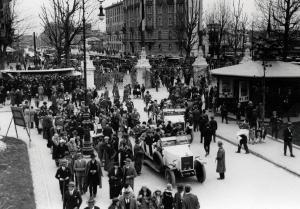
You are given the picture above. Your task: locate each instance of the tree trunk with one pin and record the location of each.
(2, 59)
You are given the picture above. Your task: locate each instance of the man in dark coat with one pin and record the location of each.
(129, 173)
(190, 201)
(288, 138)
(207, 134)
(72, 199)
(221, 168)
(196, 118)
(115, 175)
(214, 126)
(93, 175)
(138, 156)
(178, 197)
(63, 174)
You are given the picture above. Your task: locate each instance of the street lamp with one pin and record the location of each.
(101, 14)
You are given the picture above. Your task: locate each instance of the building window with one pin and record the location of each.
(170, 9)
(170, 21)
(159, 35)
(170, 35)
(149, 9)
(159, 9)
(159, 21)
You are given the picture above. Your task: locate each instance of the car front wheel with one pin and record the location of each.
(200, 171)
(170, 177)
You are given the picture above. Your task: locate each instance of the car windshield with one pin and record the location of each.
(178, 140)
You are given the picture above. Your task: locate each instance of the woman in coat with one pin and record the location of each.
(144, 198)
(221, 168)
(156, 200)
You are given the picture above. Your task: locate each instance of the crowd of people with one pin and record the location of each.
(68, 121)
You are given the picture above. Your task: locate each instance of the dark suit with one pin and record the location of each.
(72, 201)
(115, 182)
(132, 203)
(287, 138)
(177, 201)
(190, 201)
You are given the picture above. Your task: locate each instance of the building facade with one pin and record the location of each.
(161, 36)
(114, 28)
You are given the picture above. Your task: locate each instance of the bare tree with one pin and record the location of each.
(188, 15)
(61, 25)
(219, 15)
(286, 19)
(14, 30)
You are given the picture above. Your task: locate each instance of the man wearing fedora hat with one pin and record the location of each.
(63, 174)
(288, 138)
(91, 204)
(127, 201)
(72, 198)
(129, 173)
(93, 173)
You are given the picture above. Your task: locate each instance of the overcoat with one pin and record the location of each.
(221, 168)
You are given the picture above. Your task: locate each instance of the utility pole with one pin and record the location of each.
(84, 49)
(34, 46)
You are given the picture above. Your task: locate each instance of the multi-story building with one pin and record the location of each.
(161, 36)
(114, 27)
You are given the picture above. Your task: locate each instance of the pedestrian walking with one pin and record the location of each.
(288, 138)
(167, 197)
(213, 126)
(242, 142)
(63, 175)
(275, 122)
(221, 168)
(72, 198)
(190, 201)
(144, 198)
(178, 197)
(127, 201)
(138, 156)
(79, 169)
(129, 173)
(207, 134)
(115, 175)
(93, 175)
(224, 113)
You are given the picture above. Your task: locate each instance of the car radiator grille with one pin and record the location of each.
(187, 163)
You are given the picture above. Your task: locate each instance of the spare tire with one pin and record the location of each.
(200, 171)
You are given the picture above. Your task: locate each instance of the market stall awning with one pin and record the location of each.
(275, 69)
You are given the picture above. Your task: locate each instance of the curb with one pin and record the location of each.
(261, 156)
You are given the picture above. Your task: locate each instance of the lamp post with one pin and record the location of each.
(101, 17)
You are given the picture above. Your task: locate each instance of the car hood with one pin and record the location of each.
(176, 152)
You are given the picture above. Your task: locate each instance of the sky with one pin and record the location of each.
(29, 10)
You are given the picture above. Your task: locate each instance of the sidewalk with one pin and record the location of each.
(271, 150)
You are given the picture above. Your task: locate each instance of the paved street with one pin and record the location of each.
(249, 180)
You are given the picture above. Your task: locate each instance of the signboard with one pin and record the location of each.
(243, 91)
(18, 116)
(226, 88)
